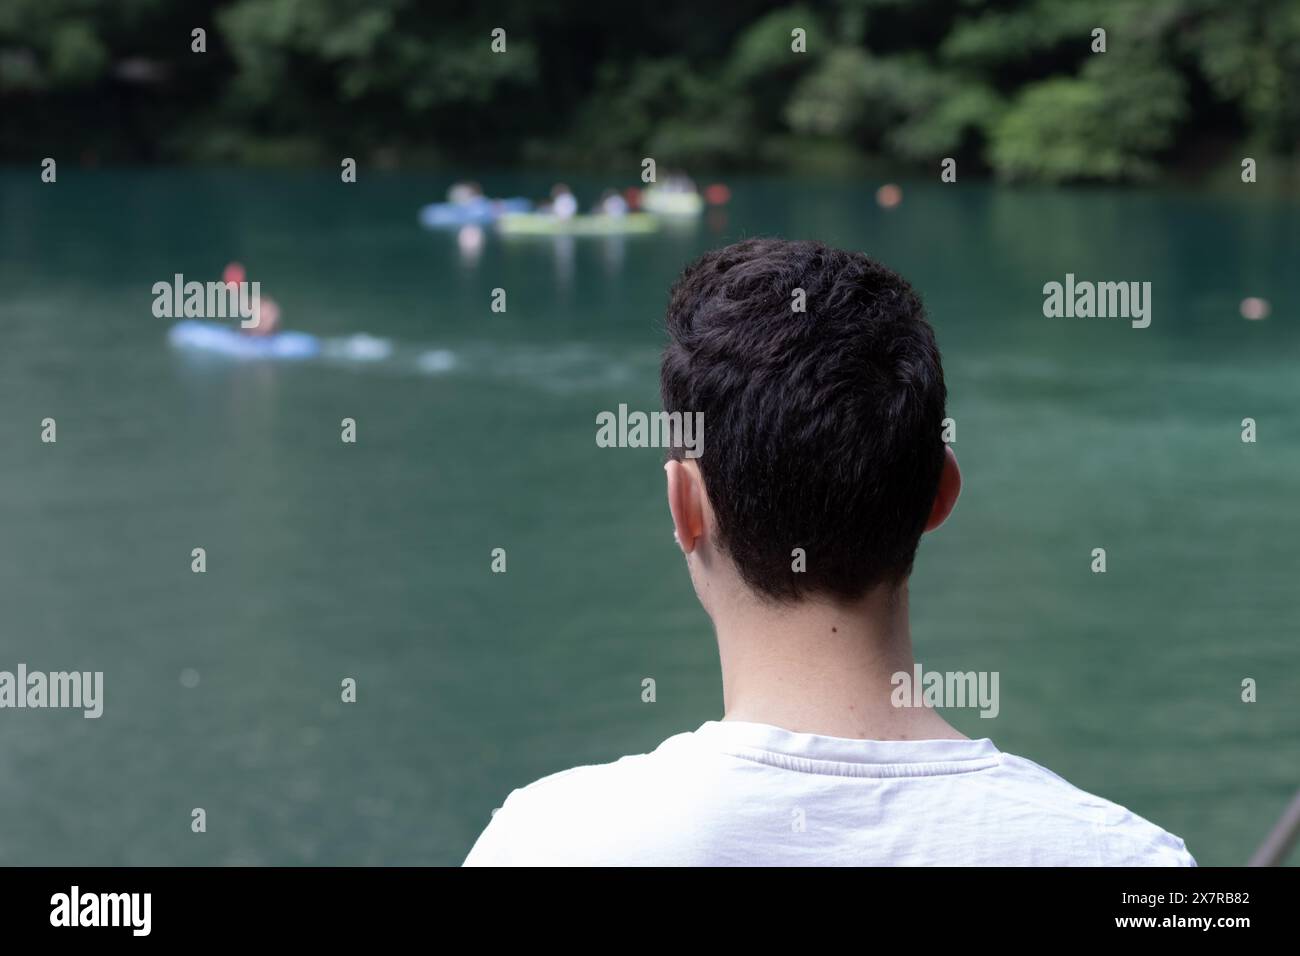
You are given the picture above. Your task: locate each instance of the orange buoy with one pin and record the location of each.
(717, 194)
(888, 196)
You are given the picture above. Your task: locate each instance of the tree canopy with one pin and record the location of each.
(1017, 89)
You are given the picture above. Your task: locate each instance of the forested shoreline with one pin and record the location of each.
(1018, 91)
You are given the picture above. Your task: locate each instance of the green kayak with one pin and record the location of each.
(544, 224)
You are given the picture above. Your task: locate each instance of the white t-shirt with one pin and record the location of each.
(745, 794)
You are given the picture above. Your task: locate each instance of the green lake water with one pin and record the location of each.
(372, 560)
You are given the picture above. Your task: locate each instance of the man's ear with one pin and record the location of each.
(686, 502)
(949, 489)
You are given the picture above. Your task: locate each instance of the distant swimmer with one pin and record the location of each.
(675, 196)
(612, 204)
(267, 316)
(563, 203)
(678, 182)
(266, 313)
(463, 193)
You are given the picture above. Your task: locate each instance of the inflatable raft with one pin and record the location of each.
(223, 339)
(481, 211)
(544, 224)
(667, 202)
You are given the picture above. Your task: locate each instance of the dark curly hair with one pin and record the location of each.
(823, 426)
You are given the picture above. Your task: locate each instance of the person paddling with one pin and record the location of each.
(266, 312)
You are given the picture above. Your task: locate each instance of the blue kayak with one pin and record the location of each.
(480, 212)
(228, 340)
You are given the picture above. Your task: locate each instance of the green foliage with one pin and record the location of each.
(372, 74)
(764, 48)
(1108, 124)
(1002, 37)
(1008, 85)
(77, 57)
(965, 111)
(1250, 55)
(658, 108)
(900, 104)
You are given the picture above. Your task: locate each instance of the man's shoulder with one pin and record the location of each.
(582, 784)
(593, 783)
(557, 818)
(681, 804)
(1120, 836)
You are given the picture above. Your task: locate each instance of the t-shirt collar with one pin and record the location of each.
(843, 756)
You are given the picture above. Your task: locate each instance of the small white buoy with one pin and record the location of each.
(1255, 308)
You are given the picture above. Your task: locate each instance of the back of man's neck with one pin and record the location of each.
(822, 668)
